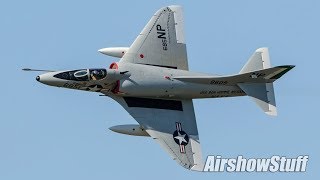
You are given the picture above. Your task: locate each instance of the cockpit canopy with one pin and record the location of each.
(83, 75)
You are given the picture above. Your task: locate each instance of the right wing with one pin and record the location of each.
(161, 42)
(171, 123)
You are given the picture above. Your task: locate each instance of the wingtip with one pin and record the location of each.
(272, 113)
(262, 49)
(197, 167)
(174, 6)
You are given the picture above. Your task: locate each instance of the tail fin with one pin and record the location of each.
(262, 93)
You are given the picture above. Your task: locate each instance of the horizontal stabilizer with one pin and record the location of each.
(259, 60)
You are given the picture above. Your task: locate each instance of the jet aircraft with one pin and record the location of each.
(152, 82)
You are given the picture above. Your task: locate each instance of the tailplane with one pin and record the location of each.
(258, 61)
(255, 79)
(262, 93)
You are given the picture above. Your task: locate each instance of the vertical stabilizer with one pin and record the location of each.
(262, 94)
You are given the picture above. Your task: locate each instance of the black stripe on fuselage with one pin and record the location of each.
(153, 103)
(171, 67)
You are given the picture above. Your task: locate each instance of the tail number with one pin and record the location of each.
(162, 35)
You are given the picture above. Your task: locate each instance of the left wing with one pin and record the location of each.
(171, 123)
(161, 42)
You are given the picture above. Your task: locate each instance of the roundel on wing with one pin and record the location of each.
(180, 137)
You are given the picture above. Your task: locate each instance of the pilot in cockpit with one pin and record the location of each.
(94, 75)
(97, 74)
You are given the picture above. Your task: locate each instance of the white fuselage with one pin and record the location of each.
(139, 80)
(158, 82)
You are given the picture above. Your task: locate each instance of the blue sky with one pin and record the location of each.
(53, 133)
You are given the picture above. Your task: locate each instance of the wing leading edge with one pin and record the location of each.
(172, 126)
(161, 42)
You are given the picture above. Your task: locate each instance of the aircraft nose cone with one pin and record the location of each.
(50, 79)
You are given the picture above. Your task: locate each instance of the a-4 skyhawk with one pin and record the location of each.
(153, 83)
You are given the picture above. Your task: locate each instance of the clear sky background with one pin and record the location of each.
(54, 133)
